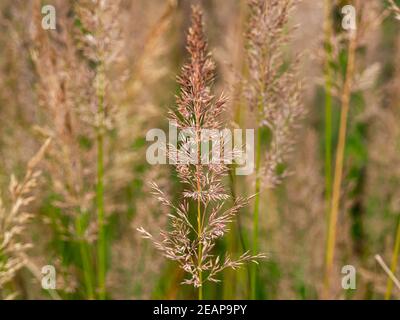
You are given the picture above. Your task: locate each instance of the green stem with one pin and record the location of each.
(199, 217)
(101, 247)
(200, 248)
(100, 218)
(230, 284)
(85, 256)
(393, 265)
(256, 215)
(328, 103)
(238, 233)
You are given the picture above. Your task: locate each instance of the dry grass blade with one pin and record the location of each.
(385, 268)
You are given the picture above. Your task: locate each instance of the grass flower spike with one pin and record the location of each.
(189, 243)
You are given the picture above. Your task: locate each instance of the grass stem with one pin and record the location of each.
(328, 102)
(333, 216)
(199, 216)
(393, 264)
(256, 214)
(101, 247)
(85, 256)
(200, 248)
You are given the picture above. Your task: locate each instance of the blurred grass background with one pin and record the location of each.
(292, 216)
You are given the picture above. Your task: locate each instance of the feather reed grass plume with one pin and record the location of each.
(273, 95)
(62, 97)
(17, 112)
(187, 243)
(100, 39)
(59, 93)
(80, 112)
(13, 219)
(102, 45)
(272, 88)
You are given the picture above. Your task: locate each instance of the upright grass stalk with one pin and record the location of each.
(333, 215)
(73, 168)
(396, 248)
(199, 230)
(393, 264)
(101, 246)
(328, 102)
(85, 256)
(272, 91)
(238, 117)
(197, 109)
(238, 232)
(199, 217)
(256, 214)
(101, 43)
